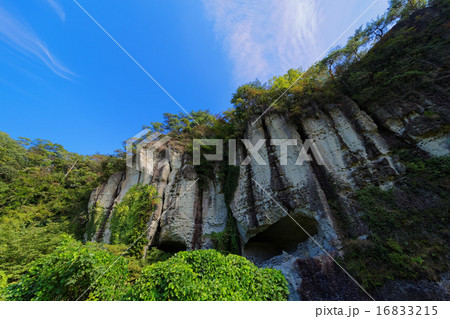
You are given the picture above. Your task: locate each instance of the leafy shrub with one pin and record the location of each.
(3, 283)
(208, 275)
(136, 264)
(69, 271)
(20, 245)
(131, 215)
(155, 255)
(3, 280)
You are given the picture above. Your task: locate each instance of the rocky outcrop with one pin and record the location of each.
(294, 205)
(185, 216)
(101, 203)
(285, 203)
(420, 117)
(270, 195)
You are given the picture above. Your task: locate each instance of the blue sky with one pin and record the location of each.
(63, 79)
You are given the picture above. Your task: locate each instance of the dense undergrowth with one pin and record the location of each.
(89, 272)
(44, 191)
(208, 275)
(74, 271)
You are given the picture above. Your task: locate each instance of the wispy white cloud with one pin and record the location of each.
(265, 37)
(22, 38)
(58, 9)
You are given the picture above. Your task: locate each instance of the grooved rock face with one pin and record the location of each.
(270, 191)
(350, 144)
(183, 219)
(180, 205)
(282, 199)
(277, 185)
(101, 202)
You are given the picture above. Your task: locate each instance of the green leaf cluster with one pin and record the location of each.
(208, 275)
(73, 271)
(130, 217)
(44, 190)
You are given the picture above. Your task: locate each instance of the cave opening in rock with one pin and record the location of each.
(172, 246)
(284, 235)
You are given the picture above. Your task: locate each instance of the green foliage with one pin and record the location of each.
(228, 241)
(3, 284)
(131, 215)
(208, 275)
(44, 191)
(21, 244)
(343, 70)
(112, 164)
(433, 169)
(155, 255)
(400, 9)
(403, 61)
(3, 280)
(182, 124)
(231, 183)
(408, 238)
(48, 180)
(69, 271)
(136, 263)
(12, 157)
(97, 218)
(285, 81)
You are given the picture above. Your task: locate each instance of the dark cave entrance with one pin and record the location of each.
(284, 235)
(172, 246)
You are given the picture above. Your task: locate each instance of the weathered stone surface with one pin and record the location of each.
(180, 203)
(404, 290)
(214, 213)
(100, 205)
(285, 210)
(273, 190)
(323, 279)
(421, 117)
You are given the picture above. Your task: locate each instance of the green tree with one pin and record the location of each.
(73, 271)
(12, 158)
(21, 244)
(332, 61)
(44, 190)
(400, 9)
(354, 45)
(378, 27)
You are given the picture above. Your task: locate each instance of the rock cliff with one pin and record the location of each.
(282, 209)
(291, 214)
